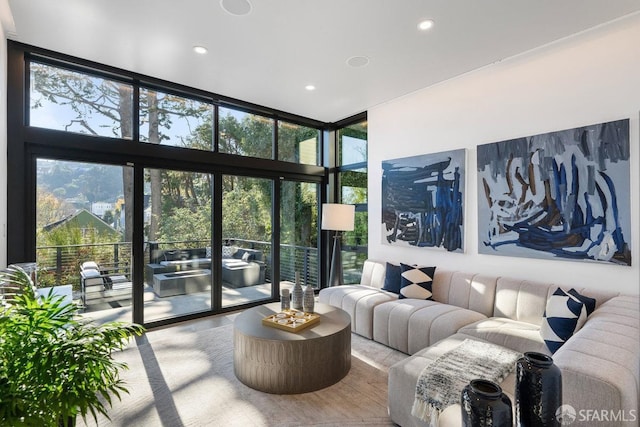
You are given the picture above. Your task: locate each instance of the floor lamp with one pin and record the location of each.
(338, 218)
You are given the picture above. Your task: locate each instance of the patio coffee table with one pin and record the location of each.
(282, 362)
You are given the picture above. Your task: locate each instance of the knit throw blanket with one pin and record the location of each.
(440, 383)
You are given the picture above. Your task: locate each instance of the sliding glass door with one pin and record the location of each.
(299, 240)
(82, 249)
(177, 227)
(247, 224)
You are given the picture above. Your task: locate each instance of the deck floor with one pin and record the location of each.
(159, 308)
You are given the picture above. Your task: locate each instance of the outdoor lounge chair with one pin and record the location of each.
(102, 281)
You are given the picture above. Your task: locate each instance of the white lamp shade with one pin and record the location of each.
(338, 217)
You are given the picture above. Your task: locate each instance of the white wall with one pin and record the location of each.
(586, 79)
(3, 148)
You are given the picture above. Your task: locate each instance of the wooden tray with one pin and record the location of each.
(290, 320)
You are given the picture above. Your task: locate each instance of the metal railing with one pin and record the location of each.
(61, 264)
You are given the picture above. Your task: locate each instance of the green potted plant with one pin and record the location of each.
(54, 364)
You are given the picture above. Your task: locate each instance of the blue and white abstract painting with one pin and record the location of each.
(558, 195)
(422, 201)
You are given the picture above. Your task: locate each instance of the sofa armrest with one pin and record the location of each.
(601, 363)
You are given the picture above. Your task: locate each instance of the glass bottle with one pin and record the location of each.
(296, 294)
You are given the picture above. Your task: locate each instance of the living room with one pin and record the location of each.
(584, 78)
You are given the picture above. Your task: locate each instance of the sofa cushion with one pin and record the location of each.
(416, 282)
(392, 278)
(373, 273)
(402, 385)
(359, 301)
(513, 334)
(410, 325)
(564, 315)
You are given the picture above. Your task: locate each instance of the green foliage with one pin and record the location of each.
(186, 224)
(251, 136)
(55, 365)
(108, 217)
(68, 242)
(247, 210)
(289, 138)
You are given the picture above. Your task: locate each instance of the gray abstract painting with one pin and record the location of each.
(562, 195)
(422, 200)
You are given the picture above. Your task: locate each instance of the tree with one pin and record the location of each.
(108, 217)
(99, 106)
(93, 104)
(51, 208)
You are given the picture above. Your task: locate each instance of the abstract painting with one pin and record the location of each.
(422, 201)
(558, 195)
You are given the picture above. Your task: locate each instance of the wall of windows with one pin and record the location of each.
(190, 203)
(352, 189)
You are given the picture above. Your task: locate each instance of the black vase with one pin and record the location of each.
(484, 404)
(538, 391)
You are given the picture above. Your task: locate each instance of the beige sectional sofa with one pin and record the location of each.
(600, 363)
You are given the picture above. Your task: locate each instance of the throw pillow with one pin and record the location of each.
(589, 303)
(207, 252)
(227, 251)
(246, 257)
(564, 315)
(392, 279)
(416, 282)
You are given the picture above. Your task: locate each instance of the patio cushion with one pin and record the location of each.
(87, 265)
(90, 272)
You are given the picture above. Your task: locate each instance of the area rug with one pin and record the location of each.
(186, 379)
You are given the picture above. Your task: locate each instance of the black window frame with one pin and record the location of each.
(26, 144)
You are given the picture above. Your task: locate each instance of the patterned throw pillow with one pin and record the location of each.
(564, 315)
(227, 251)
(392, 279)
(416, 282)
(208, 252)
(589, 303)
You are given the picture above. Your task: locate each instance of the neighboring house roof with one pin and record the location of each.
(82, 219)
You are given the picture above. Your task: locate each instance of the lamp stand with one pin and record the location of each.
(335, 275)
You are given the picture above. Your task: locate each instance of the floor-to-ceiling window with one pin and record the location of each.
(352, 189)
(299, 239)
(247, 236)
(152, 201)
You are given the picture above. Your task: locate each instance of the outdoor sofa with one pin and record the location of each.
(600, 363)
(241, 267)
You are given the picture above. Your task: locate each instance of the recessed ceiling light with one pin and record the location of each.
(425, 25)
(200, 50)
(310, 87)
(236, 7)
(358, 61)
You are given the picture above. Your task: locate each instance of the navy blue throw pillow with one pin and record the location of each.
(392, 278)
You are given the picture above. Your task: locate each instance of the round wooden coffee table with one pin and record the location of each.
(283, 362)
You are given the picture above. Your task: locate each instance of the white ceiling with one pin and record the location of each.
(268, 56)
